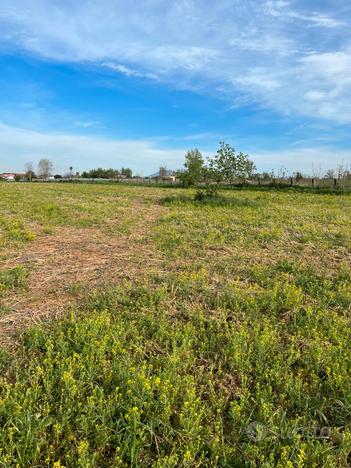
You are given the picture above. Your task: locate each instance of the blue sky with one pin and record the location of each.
(115, 83)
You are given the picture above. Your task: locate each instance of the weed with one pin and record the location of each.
(12, 279)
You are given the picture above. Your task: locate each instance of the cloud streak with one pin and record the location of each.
(116, 67)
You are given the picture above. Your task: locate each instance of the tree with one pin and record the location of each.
(162, 172)
(126, 172)
(244, 166)
(268, 175)
(298, 176)
(316, 171)
(227, 165)
(343, 170)
(194, 164)
(45, 168)
(100, 173)
(330, 174)
(29, 168)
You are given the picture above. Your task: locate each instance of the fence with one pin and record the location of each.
(312, 182)
(341, 184)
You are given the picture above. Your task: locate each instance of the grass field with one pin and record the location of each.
(141, 328)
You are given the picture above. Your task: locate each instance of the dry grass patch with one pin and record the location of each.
(71, 259)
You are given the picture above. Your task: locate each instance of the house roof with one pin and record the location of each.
(167, 173)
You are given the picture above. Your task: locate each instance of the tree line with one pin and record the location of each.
(45, 170)
(100, 173)
(226, 166)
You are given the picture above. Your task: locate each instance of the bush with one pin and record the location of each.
(199, 195)
(211, 191)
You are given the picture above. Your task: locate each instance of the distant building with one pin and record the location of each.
(167, 176)
(8, 176)
(11, 175)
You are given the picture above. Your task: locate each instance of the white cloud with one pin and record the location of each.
(301, 159)
(323, 21)
(128, 71)
(275, 53)
(285, 11)
(257, 78)
(86, 123)
(333, 67)
(19, 145)
(315, 95)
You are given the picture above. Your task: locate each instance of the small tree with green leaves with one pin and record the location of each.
(245, 168)
(226, 165)
(210, 177)
(194, 165)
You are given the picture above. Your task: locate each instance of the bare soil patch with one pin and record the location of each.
(76, 256)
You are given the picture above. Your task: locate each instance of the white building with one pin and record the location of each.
(8, 176)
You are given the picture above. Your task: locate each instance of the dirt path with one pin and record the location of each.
(72, 256)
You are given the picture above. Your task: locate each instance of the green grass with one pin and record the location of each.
(235, 353)
(11, 280)
(29, 210)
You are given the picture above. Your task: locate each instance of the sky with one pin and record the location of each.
(138, 83)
